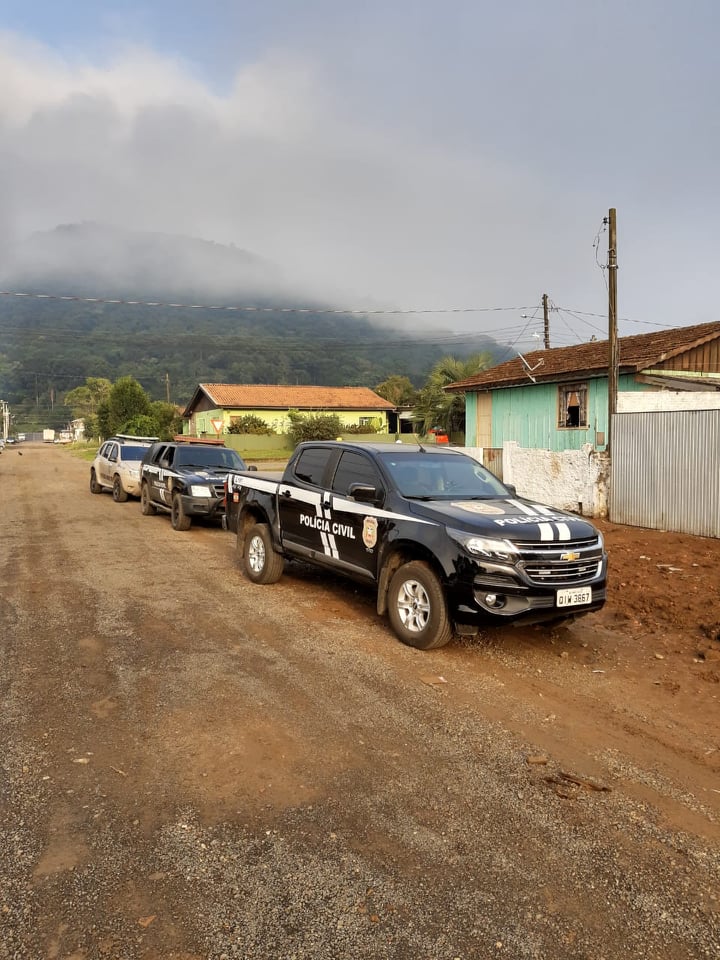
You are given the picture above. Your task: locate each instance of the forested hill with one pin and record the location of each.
(49, 346)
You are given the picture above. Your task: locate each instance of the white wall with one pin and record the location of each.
(668, 400)
(576, 480)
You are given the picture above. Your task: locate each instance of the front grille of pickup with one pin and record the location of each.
(561, 563)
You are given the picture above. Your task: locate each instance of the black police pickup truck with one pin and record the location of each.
(448, 546)
(186, 478)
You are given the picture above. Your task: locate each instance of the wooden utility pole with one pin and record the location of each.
(167, 386)
(546, 321)
(613, 364)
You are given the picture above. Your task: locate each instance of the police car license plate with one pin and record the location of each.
(574, 597)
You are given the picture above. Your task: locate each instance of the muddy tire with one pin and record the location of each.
(94, 485)
(147, 507)
(118, 493)
(260, 561)
(178, 518)
(417, 607)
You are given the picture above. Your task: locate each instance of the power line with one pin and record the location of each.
(587, 313)
(254, 308)
(519, 337)
(258, 339)
(577, 316)
(572, 330)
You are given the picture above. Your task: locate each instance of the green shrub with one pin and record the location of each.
(359, 428)
(249, 423)
(323, 426)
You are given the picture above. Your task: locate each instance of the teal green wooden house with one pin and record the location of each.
(557, 399)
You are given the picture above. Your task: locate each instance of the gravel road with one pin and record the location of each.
(198, 768)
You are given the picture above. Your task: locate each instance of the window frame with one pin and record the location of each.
(319, 469)
(564, 394)
(348, 457)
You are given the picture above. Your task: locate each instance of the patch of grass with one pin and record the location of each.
(84, 451)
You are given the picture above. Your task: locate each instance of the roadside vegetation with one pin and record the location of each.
(122, 407)
(126, 407)
(431, 406)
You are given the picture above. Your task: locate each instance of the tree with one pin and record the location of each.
(167, 418)
(435, 407)
(398, 390)
(128, 409)
(126, 400)
(85, 400)
(92, 428)
(141, 426)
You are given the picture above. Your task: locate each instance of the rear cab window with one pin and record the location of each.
(311, 465)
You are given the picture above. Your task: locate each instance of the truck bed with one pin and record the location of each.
(274, 476)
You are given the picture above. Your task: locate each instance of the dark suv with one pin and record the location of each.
(186, 479)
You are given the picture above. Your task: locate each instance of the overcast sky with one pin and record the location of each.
(410, 153)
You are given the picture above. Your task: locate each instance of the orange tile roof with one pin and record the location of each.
(636, 353)
(270, 397)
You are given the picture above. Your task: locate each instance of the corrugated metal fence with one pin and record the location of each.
(666, 471)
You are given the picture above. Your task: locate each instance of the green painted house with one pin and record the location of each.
(214, 405)
(557, 399)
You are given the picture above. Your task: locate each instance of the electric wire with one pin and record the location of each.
(255, 308)
(511, 346)
(263, 340)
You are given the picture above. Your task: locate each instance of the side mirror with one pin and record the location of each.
(253, 467)
(511, 488)
(363, 493)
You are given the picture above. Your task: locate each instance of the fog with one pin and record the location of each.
(423, 158)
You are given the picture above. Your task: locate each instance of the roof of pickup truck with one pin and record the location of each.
(395, 449)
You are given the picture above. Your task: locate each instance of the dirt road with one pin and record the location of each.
(195, 767)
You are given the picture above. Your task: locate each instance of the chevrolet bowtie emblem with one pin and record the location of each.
(570, 555)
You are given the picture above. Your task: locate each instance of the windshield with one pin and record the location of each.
(441, 477)
(213, 457)
(128, 452)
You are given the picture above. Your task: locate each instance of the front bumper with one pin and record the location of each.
(202, 506)
(494, 592)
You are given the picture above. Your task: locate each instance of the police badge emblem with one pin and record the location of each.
(369, 533)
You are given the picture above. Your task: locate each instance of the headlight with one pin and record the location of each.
(201, 490)
(133, 473)
(490, 547)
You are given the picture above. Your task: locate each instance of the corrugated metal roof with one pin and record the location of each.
(591, 359)
(257, 396)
